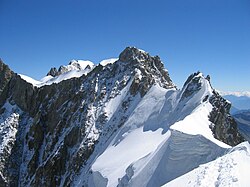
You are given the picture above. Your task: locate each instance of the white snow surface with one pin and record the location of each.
(165, 137)
(108, 61)
(128, 151)
(197, 123)
(129, 144)
(74, 64)
(229, 170)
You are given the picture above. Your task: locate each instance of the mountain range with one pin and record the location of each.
(239, 100)
(122, 122)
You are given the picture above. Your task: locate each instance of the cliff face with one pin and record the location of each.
(52, 134)
(224, 126)
(5, 76)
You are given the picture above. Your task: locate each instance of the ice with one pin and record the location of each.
(30, 80)
(132, 148)
(108, 61)
(228, 170)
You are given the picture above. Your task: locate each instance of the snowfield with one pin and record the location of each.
(108, 61)
(165, 137)
(229, 170)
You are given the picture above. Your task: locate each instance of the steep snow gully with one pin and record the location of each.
(120, 123)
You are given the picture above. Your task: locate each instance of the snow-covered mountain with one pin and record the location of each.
(76, 68)
(120, 123)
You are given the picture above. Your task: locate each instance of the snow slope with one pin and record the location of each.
(108, 61)
(166, 136)
(229, 170)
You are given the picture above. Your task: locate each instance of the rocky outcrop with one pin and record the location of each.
(5, 76)
(53, 72)
(223, 125)
(192, 85)
(149, 70)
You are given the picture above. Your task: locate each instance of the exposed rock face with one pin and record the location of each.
(191, 85)
(5, 76)
(151, 69)
(57, 128)
(53, 72)
(225, 127)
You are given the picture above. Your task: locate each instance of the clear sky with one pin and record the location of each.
(212, 36)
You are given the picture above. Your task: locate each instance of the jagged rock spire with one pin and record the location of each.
(152, 66)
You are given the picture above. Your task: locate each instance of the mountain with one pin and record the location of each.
(122, 122)
(239, 100)
(240, 110)
(76, 68)
(237, 94)
(242, 118)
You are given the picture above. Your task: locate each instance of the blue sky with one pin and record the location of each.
(189, 35)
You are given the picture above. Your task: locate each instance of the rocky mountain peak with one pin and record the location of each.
(53, 72)
(151, 66)
(138, 56)
(192, 84)
(133, 53)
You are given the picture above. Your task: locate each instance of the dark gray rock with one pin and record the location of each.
(192, 85)
(225, 127)
(53, 72)
(5, 76)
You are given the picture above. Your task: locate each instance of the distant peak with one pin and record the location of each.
(236, 93)
(77, 65)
